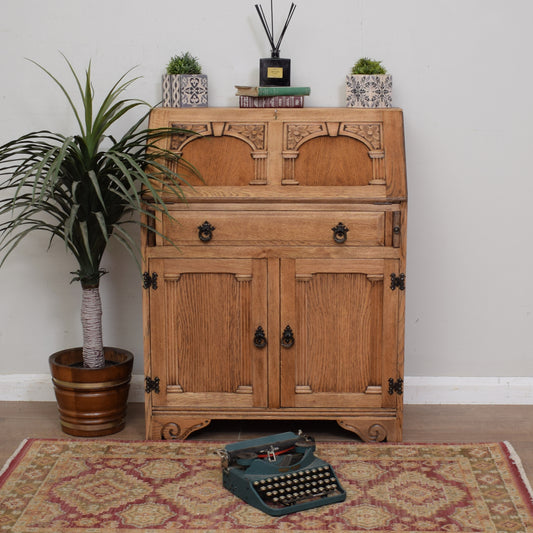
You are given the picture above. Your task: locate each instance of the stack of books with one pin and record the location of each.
(271, 96)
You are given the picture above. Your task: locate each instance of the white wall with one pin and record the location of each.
(461, 72)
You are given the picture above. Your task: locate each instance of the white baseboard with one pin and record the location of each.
(468, 390)
(417, 389)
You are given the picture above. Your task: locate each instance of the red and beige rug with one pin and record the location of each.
(54, 486)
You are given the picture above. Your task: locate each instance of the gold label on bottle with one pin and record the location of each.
(275, 72)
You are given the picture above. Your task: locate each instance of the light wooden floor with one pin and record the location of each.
(422, 423)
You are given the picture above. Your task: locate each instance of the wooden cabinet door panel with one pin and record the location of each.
(204, 315)
(343, 315)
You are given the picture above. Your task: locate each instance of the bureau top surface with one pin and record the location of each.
(308, 154)
(272, 113)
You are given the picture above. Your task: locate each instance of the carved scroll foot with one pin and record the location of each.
(372, 430)
(177, 428)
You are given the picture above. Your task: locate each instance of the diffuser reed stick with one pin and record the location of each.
(270, 31)
(262, 17)
(291, 11)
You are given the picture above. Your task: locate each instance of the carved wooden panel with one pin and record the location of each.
(335, 308)
(205, 316)
(225, 153)
(330, 161)
(333, 154)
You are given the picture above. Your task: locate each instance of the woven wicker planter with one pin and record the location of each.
(91, 402)
(369, 90)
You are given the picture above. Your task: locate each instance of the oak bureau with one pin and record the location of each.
(284, 295)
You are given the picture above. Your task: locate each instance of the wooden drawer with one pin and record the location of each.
(273, 228)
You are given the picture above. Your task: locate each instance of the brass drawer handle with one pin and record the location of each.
(340, 233)
(205, 232)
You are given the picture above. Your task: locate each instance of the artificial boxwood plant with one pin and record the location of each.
(184, 64)
(368, 66)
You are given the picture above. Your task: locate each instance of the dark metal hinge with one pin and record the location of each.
(149, 281)
(396, 386)
(397, 281)
(152, 385)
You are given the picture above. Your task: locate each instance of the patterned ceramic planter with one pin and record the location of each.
(369, 90)
(184, 90)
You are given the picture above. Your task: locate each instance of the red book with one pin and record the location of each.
(271, 101)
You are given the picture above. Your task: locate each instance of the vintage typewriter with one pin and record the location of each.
(279, 474)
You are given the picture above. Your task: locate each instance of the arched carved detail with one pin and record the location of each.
(369, 133)
(252, 134)
(193, 131)
(296, 134)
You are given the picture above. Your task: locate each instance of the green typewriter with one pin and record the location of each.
(279, 474)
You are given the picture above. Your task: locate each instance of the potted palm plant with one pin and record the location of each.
(83, 189)
(368, 85)
(184, 85)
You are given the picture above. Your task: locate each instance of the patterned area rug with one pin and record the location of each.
(52, 486)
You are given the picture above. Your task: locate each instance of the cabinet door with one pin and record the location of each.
(344, 318)
(203, 316)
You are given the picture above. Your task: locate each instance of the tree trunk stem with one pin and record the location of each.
(91, 321)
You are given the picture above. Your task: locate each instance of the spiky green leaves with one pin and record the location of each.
(75, 190)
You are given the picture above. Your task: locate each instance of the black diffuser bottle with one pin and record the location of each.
(274, 71)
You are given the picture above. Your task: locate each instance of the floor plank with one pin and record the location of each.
(422, 423)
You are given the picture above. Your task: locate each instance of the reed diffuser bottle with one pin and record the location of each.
(274, 71)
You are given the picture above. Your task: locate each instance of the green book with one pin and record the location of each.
(245, 90)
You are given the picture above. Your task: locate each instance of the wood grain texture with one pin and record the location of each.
(221, 161)
(307, 210)
(274, 228)
(91, 402)
(333, 161)
(204, 315)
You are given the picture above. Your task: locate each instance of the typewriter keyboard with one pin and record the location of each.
(298, 486)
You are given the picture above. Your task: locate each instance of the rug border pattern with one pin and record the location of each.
(513, 462)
